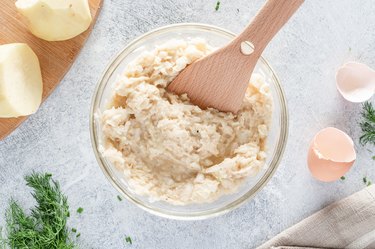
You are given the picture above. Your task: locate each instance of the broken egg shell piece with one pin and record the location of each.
(331, 154)
(355, 81)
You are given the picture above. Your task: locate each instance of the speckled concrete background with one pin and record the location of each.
(305, 54)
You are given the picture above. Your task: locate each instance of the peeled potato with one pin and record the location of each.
(21, 83)
(56, 20)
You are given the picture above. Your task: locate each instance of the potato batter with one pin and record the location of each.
(169, 149)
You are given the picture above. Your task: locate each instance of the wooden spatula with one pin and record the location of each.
(220, 79)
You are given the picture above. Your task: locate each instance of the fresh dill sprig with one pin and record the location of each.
(2, 240)
(367, 124)
(45, 227)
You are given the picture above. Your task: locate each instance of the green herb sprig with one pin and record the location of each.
(2, 240)
(367, 124)
(46, 226)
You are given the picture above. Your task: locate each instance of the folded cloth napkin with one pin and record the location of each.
(348, 223)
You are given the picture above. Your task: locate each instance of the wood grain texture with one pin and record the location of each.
(220, 79)
(55, 57)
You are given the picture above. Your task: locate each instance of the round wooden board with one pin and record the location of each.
(55, 57)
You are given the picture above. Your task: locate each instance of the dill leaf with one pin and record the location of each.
(45, 227)
(2, 240)
(367, 124)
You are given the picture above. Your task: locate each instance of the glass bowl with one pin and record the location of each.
(216, 37)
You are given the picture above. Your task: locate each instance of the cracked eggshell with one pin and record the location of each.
(331, 154)
(56, 20)
(355, 81)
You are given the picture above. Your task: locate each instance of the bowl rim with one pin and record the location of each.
(273, 165)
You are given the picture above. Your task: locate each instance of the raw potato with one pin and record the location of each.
(21, 83)
(56, 20)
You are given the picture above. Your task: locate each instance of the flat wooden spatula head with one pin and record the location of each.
(220, 79)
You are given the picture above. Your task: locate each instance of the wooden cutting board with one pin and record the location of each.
(55, 57)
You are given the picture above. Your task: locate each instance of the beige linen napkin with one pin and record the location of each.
(348, 223)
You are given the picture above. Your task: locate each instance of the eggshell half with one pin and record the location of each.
(355, 81)
(331, 154)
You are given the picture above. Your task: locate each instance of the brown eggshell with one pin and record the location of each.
(331, 154)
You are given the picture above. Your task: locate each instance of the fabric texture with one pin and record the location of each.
(348, 223)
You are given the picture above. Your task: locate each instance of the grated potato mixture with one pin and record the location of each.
(171, 150)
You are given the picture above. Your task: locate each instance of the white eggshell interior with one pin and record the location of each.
(355, 81)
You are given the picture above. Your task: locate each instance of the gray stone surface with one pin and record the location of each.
(305, 54)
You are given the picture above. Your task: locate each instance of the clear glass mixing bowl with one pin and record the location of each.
(216, 37)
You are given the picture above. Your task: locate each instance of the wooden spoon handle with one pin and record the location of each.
(268, 21)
